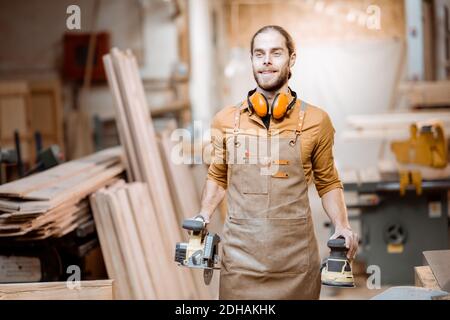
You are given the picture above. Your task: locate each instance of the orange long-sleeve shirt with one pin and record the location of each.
(317, 141)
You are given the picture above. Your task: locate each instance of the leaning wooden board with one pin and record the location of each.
(156, 259)
(142, 268)
(424, 277)
(181, 181)
(109, 242)
(439, 262)
(144, 159)
(132, 166)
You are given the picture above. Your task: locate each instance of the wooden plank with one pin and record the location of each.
(81, 182)
(80, 191)
(76, 192)
(24, 206)
(109, 242)
(21, 187)
(390, 125)
(58, 227)
(162, 192)
(148, 156)
(439, 262)
(162, 269)
(129, 94)
(122, 124)
(59, 195)
(148, 244)
(105, 246)
(79, 135)
(134, 244)
(132, 269)
(396, 120)
(50, 216)
(181, 181)
(88, 290)
(423, 277)
(143, 214)
(185, 196)
(427, 93)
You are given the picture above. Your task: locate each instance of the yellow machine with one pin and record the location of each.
(426, 147)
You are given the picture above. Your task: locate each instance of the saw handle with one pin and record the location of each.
(194, 225)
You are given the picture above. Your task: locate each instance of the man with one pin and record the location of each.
(269, 249)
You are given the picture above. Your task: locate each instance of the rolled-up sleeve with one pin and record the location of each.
(218, 168)
(326, 177)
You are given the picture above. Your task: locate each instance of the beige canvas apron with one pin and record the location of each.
(269, 249)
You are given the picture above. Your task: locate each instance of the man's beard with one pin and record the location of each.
(275, 86)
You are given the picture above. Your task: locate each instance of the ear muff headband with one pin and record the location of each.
(280, 106)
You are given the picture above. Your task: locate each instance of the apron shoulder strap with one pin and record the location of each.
(237, 118)
(301, 119)
(301, 116)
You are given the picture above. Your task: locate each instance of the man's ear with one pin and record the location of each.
(292, 59)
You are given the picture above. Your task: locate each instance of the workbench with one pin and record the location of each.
(396, 229)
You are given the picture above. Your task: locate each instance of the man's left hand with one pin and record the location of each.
(351, 240)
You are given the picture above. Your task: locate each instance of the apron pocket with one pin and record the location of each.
(254, 180)
(268, 245)
(287, 245)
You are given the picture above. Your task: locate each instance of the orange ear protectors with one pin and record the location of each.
(280, 106)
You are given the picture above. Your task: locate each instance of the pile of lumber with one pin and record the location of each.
(54, 202)
(133, 245)
(144, 164)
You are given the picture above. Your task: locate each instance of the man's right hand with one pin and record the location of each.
(201, 216)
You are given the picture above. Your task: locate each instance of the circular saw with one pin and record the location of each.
(201, 251)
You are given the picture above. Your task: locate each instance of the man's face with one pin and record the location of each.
(271, 61)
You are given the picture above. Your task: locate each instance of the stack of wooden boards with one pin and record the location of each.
(133, 244)
(54, 202)
(162, 229)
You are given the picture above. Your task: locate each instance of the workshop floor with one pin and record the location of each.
(360, 292)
